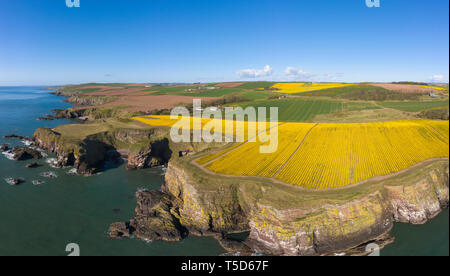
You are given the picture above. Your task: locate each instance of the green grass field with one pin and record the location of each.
(303, 110)
(256, 85)
(182, 91)
(364, 92)
(220, 92)
(414, 106)
(258, 95)
(89, 90)
(339, 92)
(163, 90)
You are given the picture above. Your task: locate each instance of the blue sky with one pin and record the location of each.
(44, 42)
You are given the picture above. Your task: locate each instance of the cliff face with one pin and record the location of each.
(421, 201)
(89, 100)
(203, 211)
(156, 219)
(155, 154)
(294, 232)
(338, 223)
(88, 154)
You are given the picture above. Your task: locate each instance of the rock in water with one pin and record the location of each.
(49, 175)
(14, 136)
(154, 220)
(120, 230)
(37, 182)
(32, 165)
(4, 147)
(24, 153)
(16, 181)
(46, 117)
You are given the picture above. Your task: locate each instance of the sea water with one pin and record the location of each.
(54, 207)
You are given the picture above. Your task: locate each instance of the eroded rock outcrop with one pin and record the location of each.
(24, 153)
(334, 227)
(87, 156)
(156, 219)
(156, 154)
(421, 201)
(142, 148)
(4, 147)
(32, 165)
(15, 136)
(333, 222)
(205, 212)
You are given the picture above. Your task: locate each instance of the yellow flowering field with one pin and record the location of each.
(440, 88)
(299, 87)
(290, 137)
(239, 129)
(336, 155)
(327, 156)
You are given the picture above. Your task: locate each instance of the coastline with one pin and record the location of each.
(220, 232)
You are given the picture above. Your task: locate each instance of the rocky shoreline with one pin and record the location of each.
(343, 228)
(90, 154)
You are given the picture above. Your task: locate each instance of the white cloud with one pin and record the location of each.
(297, 73)
(255, 73)
(437, 78)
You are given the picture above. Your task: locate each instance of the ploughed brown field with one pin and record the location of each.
(140, 98)
(229, 84)
(404, 88)
(152, 102)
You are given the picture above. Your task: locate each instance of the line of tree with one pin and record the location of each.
(410, 83)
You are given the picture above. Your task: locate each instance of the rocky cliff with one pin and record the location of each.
(308, 222)
(421, 201)
(205, 211)
(88, 153)
(332, 228)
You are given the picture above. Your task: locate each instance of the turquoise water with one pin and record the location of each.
(431, 239)
(42, 220)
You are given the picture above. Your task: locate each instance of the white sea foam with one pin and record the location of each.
(164, 170)
(9, 155)
(52, 162)
(37, 182)
(95, 174)
(49, 175)
(140, 190)
(27, 143)
(10, 181)
(72, 171)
